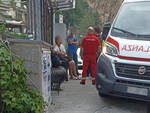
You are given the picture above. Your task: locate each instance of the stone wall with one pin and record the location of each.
(31, 54)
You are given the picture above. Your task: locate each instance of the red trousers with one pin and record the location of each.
(89, 60)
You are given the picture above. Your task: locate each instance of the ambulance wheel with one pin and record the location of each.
(101, 94)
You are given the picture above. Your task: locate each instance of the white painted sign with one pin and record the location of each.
(60, 18)
(134, 48)
(46, 77)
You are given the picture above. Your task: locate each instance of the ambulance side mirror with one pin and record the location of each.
(106, 31)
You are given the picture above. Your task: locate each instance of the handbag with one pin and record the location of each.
(56, 61)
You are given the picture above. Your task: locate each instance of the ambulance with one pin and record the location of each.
(123, 68)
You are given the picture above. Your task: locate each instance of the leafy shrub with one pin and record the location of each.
(2, 29)
(16, 96)
(17, 36)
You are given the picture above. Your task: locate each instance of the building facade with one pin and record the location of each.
(12, 10)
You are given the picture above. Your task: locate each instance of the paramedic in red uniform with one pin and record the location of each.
(90, 47)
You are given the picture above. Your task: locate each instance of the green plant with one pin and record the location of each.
(2, 29)
(15, 35)
(5, 16)
(12, 3)
(16, 96)
(80, 18)
(12, 35)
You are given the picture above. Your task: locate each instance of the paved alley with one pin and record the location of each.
(76, 98)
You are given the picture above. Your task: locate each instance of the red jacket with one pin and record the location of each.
(90, 44)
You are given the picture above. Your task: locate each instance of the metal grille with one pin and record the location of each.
(40, 20)
(131, 71)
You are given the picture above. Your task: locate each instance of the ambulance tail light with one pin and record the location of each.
(110, 50)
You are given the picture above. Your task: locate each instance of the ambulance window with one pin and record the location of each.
(133, 18)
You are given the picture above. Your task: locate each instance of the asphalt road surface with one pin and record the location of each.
(76, 98)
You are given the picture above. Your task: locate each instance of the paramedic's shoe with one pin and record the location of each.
(82, 83)
(93, 83)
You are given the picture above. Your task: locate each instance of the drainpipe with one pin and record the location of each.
(52, 26)
(54, 29)
(38, 19)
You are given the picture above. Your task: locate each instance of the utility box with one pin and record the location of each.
(36, 56)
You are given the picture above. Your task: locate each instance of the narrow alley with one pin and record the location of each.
(75, 98)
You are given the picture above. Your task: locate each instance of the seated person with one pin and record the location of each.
(60, 49)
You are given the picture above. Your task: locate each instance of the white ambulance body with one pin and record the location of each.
(123, 68)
